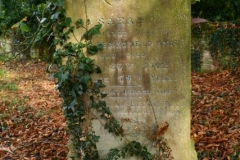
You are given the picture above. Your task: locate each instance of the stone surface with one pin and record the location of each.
(146, 69)
(5, 45)
(207, 61)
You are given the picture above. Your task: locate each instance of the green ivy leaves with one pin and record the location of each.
(24, 27)
(61, 76)
(79, 23)
(92, 31)
(132, 148)
(92, 50)
(21, 25)
(55, 15)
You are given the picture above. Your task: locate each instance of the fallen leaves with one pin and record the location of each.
(216, 115)
(32, 125)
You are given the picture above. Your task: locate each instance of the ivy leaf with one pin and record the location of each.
(106, 110)
(71, 29)
(48, 69)
(100, 46)
(24, 27)
(103, 95)
(113, 155)
(43, 20)
(102, 104)
(72, 93)
(85, 67)
(93, 31)
(85, 79)
(16, 25)
(79, 23)
(81, 66)
(95, 138)
(88, 60)
(64, 76)
(55, 15)
(66, 22)
(98, 69)
(2, 13)
(99, 84)
(113, 126)
(81, 45)
(58, 2)
(88, 21)
(72, 104)
(92, 50)
(61, 77)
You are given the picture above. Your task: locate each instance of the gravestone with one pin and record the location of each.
(146, 70)
(207, 61)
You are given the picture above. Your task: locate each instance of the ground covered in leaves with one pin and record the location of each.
(31, 123)
(216, 115)
(32, 126)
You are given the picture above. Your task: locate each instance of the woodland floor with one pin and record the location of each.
(32, 126)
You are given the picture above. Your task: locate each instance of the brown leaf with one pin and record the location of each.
(6, 149)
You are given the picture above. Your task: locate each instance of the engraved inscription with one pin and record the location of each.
(132, 67)
(120, 21)
(125, 44)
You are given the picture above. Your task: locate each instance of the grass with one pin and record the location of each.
(3, 58)
(2, 72)
(22, 109)
(12, 109)
(40, 113)
(9, 86)
(238, 126)
(5, 84)
(235, 156)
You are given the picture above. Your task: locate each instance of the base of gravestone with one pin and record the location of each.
(71, 154)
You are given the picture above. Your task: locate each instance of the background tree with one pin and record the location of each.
(221, 10)
(30, 12)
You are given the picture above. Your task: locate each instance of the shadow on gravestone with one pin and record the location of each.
(146, 70)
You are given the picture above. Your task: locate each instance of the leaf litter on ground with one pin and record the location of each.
(216, 115)
(31, 121)
(32, 125)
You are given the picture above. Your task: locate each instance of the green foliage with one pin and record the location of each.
(74, 83)
(235, 156)
(225, 47)
(2, 72)
(22, 109)
(195, 60)
(3, 58)
(21, 25)
(34, 29)
(221, 10)
(135, 148)
(19, 9)
(132, 148)
(5, 85)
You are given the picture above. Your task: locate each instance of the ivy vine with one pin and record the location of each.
(73, 67)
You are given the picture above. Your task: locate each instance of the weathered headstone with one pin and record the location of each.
(207, 61)
(146, 69)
